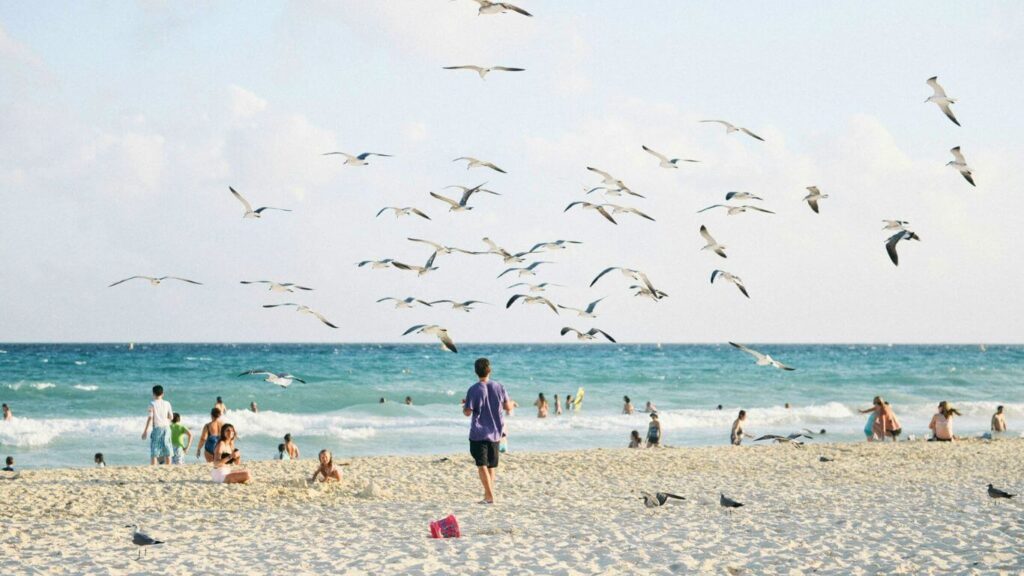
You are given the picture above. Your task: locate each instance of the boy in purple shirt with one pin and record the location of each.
(486, 403)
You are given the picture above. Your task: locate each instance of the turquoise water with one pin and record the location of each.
(72, 400)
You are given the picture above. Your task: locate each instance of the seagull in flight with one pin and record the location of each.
(895, 224)
(489, 7)
(249, 212)
(359, 160)
(600, 208)
(556, 245)
(646, 292)
(588, 335)
(616, 209)
(527, 299)
(404, 302)
(441, 248)
(633, 274)
(406, 211)
(712, 244)
(612, 191)
(376, 264)
(890, 244)
(141, 539)
(474, 163)
(762, 359)
(283, 380)
(277, 286)
(302, 309)
(730, 128)
(813, 197)
(657, 500)
(741, 196)
(960, 165)
(733, 210)
(729, 278)
(609, 180)
(420, 270)
(665, 162)
(535, 287)
(434, 329)
(483, 71)
(791, 439)
(156, 281)
(507, 256)
(527, 271)
(941, 100)
(587, 312)
(460, 206)
(466, 306)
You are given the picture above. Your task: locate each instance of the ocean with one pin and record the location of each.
(73, 400)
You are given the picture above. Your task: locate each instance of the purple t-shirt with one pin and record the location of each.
(486, 400)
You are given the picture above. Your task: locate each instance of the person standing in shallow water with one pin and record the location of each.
(486, 403)
(542, 406)
(558, 406)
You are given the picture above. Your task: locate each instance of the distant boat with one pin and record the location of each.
(131, 346)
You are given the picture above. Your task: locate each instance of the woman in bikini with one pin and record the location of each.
(210, 436)
(327, 469)
(942, 423)
(222, 472)
(542, 406)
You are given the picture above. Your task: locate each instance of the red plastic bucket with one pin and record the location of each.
(445, 528)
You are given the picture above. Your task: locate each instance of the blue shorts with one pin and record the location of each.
(160, 443)
(179, 455)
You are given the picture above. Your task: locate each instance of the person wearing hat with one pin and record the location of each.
(654, 431)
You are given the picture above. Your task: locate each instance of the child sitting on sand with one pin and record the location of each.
(10, 464)
(326, 469)
(635, 441)
(282, 453)
(99, 461)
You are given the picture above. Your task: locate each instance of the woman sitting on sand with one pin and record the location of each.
(228, 456)
(942, 423)
(326, 469)
(627, 405)
(542, 406)
(210, 436)
(635, 441)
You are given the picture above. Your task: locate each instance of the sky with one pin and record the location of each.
(122, 125)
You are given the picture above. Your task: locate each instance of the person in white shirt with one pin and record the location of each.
(159, 418)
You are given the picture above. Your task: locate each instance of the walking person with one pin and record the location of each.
(159, 418)
(486, 403)
(654, 431)
(558, 406)
(737, 434)
(178, 443)
(210, 436)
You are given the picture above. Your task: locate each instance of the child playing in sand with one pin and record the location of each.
(998, 420)
(99, 461)
(10, 464)
(179, 433)
(635, 441)
(326, 469)
(282, 452)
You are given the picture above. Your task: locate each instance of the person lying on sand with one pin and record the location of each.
(326, 469)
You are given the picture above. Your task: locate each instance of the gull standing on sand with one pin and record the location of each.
(466, 306)
(712, 244)
(420, 270)
(489, 7)
(141, 539)
(249, 212)
(890, 244)
(630, 273)
(813, 198)
(729, 278)
(531, 300)
(730, 128)
(600, 208)
(587, 312)
(404, 302)
(155, 281)
(460, 206)
(359, 160)
(994, 492)
(658, 499)
(302, 309)
(895, 224)
(960, 165)
(483, 71)
(939, 98)
(588, 335)
(404, 211)
(741, 196)
(734, 210)
(527, 271)
(283, 380)
(277, 286)
(434, 329)
(665, 162)
(727, 502)
(474, 163)
(762, 359)
(542, 287)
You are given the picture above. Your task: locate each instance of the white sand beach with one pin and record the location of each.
(911, 508)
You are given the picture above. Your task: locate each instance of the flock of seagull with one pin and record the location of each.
(611, 186)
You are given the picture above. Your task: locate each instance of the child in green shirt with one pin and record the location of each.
(179, 432)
